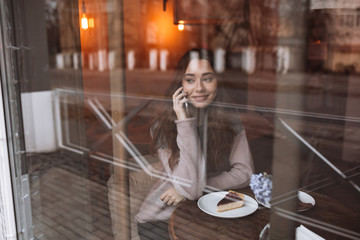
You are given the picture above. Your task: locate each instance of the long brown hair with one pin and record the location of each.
(223, 124)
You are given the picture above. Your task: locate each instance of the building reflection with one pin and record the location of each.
(244, 36)
(153, 41)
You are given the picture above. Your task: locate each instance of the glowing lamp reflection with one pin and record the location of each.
(181, 25)
(91, 23)
(84, 22)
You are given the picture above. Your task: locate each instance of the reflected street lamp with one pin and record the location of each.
(85, 22)
(181, 25)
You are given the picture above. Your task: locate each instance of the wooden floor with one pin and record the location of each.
(68, 206)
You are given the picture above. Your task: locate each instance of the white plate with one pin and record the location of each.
(208, 204)
(303, 196)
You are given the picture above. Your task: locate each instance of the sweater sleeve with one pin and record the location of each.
(241, 166)
(188, 176)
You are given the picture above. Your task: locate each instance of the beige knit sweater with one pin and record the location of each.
(189, 175)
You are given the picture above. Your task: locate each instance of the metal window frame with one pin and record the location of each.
(6, 194)
(18, 206)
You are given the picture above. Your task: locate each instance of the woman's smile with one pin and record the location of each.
(200, 98)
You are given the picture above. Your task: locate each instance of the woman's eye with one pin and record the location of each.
(189, 80)
(208, 79)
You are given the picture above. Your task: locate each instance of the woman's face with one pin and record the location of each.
(199, 83)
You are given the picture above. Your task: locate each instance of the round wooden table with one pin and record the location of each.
(189, 222)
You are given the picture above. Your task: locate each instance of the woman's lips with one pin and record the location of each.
(200, 98)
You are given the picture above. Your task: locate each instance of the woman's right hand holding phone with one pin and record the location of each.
(179, 100)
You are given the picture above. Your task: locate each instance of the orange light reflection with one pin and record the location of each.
(181, 26)
(91, 23)
(84, 22)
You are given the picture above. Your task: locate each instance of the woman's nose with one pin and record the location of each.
(200, 86)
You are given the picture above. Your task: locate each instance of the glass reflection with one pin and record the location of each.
(87, 100)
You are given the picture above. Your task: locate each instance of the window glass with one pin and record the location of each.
(185, 119)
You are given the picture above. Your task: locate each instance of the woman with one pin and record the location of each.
(200, 143)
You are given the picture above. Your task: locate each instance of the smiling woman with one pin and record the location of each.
(204, 145)
(200, 84)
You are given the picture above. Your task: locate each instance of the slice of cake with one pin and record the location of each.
(231, 200)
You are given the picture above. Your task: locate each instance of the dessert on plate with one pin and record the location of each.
(231, 201)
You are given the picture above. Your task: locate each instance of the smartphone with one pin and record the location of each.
(186, 108)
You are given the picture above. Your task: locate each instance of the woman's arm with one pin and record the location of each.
(188, 176)
(241, 166)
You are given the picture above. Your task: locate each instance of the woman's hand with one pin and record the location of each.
(171, 197)
(179, 100)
